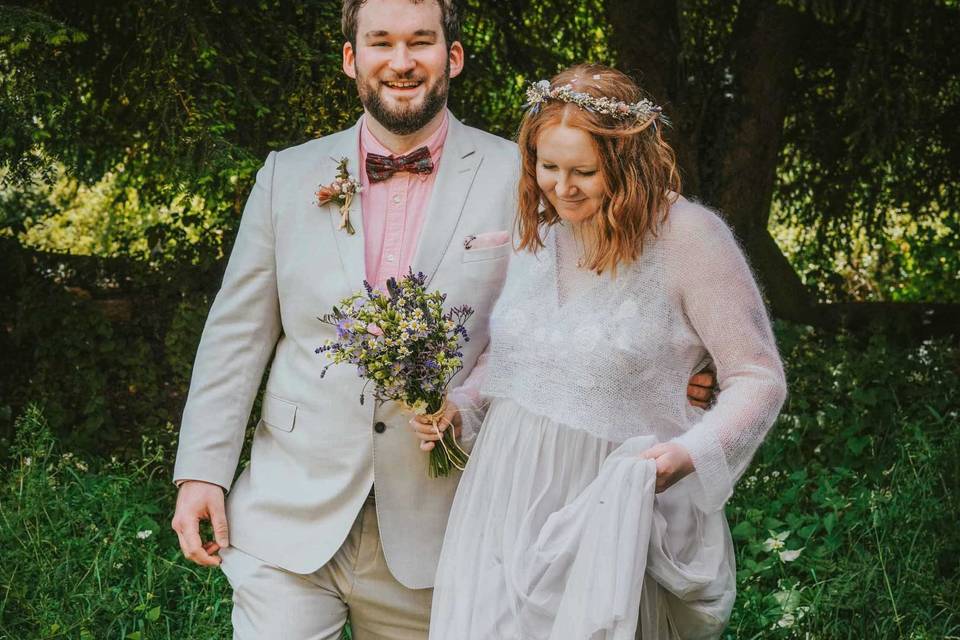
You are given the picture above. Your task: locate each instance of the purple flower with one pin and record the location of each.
(343, 328)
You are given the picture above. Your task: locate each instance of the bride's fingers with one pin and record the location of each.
(427, 446)
(427, 427)
(426, 431)
(653, 452)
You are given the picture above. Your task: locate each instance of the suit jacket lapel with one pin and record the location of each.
(458, 168)
(350, 247)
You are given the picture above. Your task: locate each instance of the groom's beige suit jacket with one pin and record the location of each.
(316, 450)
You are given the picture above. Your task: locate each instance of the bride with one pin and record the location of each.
(592, 506)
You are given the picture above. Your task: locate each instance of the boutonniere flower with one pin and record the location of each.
(341, 190)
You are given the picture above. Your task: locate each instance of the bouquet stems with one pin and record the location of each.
(447, 454)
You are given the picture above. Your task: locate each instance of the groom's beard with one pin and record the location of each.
(406, 119)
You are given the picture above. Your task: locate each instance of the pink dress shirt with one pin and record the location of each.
(394, 210)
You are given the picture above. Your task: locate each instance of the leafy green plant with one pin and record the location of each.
(88, 552)
(845, 524)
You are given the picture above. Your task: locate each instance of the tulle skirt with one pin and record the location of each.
(555, 534)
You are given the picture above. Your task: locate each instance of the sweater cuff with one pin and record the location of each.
(713, 484)
(472, 413)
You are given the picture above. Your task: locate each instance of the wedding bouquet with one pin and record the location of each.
(408, 347)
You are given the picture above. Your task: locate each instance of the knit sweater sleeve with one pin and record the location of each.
(470, 402)
(723, 305)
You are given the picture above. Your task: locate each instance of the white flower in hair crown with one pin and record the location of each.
(642, 111)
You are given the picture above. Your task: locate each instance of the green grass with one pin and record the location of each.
(77, 559)
(860, 474)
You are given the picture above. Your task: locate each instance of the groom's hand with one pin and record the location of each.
(428, 434)
(701, 389)
(198, 501)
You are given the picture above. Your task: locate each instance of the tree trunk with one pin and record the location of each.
(766, 41)
(745, 149)
(646, 37)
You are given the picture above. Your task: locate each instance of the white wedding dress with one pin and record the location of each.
(556, 531)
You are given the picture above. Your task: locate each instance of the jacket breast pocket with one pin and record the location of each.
(488, 253)
(278, 413)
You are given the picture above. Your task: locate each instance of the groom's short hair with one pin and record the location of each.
(450, 19)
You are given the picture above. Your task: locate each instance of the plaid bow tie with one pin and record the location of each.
(379, 168)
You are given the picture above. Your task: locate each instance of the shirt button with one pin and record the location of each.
(390, 257)
(396, 198)
(379, 427)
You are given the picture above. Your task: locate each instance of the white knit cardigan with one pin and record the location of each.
(612, 355)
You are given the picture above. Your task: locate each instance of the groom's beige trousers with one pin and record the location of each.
(269, 602)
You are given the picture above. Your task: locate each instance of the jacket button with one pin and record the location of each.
(379, 427)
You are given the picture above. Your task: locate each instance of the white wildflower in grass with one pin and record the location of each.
(792, 611)
(786, 621)
(775, 542)
(790, 555)
(143, 535)
(27, 461)
(406, 344)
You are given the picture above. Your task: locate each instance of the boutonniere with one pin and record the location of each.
(341, 190)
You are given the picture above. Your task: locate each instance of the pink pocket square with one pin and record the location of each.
(486, 240)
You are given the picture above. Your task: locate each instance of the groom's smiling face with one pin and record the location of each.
(401, 62)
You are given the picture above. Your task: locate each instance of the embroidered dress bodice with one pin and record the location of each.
(611, 355)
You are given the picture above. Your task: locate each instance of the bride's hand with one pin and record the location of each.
(426, 432)
(673, 463)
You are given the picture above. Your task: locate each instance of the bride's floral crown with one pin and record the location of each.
(644, 110)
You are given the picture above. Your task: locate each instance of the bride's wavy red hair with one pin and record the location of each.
(639, 170)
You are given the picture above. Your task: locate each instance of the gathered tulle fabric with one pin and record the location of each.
(556, 534)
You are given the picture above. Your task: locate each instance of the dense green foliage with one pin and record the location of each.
(177, 103)
(860, 474)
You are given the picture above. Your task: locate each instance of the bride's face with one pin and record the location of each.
(568, 172)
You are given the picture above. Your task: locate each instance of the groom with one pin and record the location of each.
(335, 514)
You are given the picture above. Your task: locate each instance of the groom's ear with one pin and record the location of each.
(456, 55)
(350, 60)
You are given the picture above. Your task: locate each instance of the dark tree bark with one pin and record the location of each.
(766, 40)
(646, 37)
(733, 169)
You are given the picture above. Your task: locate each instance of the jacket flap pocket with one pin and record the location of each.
(278, 413)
